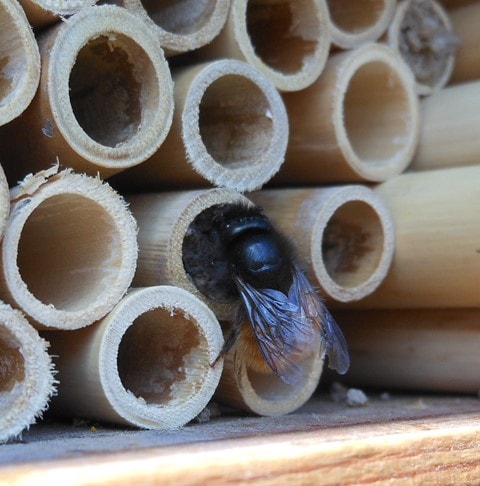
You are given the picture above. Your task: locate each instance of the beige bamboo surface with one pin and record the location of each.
(426, 350)
(230, 129)
(147, 363)
(344, 235)
(69, 251)
(19, 62)
(358, 122)
(422, 33)
(356, 22)
(436, 262)
(449, 133)
(105, 100)
(182, 26)
(288, 42)
(26, 373)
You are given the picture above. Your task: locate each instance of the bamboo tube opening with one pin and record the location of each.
(12, 365)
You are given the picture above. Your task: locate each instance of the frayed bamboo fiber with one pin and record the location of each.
(426, 350)
(105, 100)
(288, 41)
(69, 250)
(4, 202)
(182, 26)
(230, 129)
(343, 234)
(163, 221)
(421, 32)
(358, 122)
(19, 61)
(26, 374)
(146, 364)
(356, 22)
(449, 132)
(436, 263)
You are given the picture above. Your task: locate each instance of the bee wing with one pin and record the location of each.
(335, 346)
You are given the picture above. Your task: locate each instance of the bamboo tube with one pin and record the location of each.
(146, 364)
(436, 262)
(69, 250)
(288, 41)
(359, 121)
(182, 26)
(343, 234)
(356, 22)
(105, 100)
(26, 373)
(230, 129)
(19, 62)
(427, 350)
(4, 202)
(422, 34)
(449, 133)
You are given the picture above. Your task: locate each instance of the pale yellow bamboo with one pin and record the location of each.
(19, 61)
(26, 373)
(436, 263)
(105, 100)
(147, 363)
(288, 41)
(344, 235)
(449, 132)
(426, 350)
(356, 22)
(69, 250)
(359, 121)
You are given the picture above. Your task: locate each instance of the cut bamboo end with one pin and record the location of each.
(164, 220)
(354, 22)
(101, 374)
(182, 25)
(344, 235)
(19, 62)
(69, 250)
(359, 121)
(287, 41)
(26, 373)
(421, 32)
(4, 202)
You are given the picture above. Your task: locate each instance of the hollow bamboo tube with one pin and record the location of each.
(105, 100)
(182, 26)
(354, 22)
(436, 263)
(19, 62)
(449, 133)
(288, 40)
(422, 34)
(358, 121)
(427, 350)
(26, 373)
(69, 250)
(163, 221)
(230, 129)
(147, 363)
(344, 235)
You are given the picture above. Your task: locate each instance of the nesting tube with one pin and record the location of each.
(230, 129)
(26, 373)
(69, 250)
(358, 122)
(182, 26)
(105, 100)
(287, 41)
(422, 34)
(19, 62)
(146, 364)
(344, 235)
(354, 22)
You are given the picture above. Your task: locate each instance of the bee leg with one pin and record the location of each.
(234, 334)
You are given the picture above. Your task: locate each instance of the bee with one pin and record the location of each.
(233, 252)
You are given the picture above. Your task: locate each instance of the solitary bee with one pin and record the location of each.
(232, 251)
